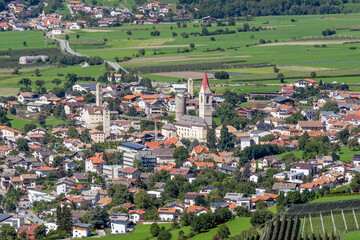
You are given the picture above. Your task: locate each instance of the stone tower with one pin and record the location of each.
(106, 121)
(205, 101)
(180, 105)
(99, 99)
(190, 88)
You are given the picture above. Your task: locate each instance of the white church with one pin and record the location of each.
(192, 127)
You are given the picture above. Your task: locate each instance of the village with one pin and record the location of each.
(96, 16)
(157, 154)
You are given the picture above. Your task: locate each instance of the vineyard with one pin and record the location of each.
(323, 220)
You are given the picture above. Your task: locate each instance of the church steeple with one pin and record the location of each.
(205, 101)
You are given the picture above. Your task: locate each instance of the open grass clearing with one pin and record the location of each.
(351, 236)
(186, 75)
(335, 198)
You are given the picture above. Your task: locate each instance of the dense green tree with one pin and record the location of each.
(180, 154)
(7, 232)
(260, 217)
(22, 145)
(143, 200)
(355, 182)
(211, 139)
(99, 218)
(343, 136)
(223, 231)
(227, 141)
(330, 106)
(40, 232)
(119, 194)
(154, 229)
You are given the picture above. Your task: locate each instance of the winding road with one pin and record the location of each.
(64, 46)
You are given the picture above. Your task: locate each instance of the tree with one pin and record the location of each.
(261, 205)
(99, 217)
(22, 145)
(221, 75)
(39, 83)
(276, 70)
(12, 110)
(192, 45)
(281, 77)
(143, 200)
(343, 136)
(260, 217)
(200, 200)
(355, 182)
(120, 194)
(180, 154)
(8, 232)
(24, 43)
(223, 231)
(330, 106)
(164, 234)
(303, 140)
(313, 74)
(37, 72)
(226, 142)
(211, 139)
(67, 37)
(40, 231)
(64, 219)
(73, 133)
(353, 144)
(25, 81)
(154, 229)
(77, 36)
(242, 211)
(42, 119)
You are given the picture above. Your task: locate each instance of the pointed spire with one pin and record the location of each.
(205, 81)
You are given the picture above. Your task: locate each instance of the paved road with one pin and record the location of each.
(30, 216)
(70, 9)
(64, 46)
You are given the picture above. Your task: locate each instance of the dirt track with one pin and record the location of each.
(186, 75)
(176, 58)
(306, 43)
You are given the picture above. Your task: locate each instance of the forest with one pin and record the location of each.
(238, 8)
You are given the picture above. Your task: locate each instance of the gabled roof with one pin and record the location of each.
(196, 209)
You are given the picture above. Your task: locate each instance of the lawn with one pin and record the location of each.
(335, 198)
(19, 123)
(346, 154)
(351, 236)
(140, 232)
(236, 227)
(15, 40)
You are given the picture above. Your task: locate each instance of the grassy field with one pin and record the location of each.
(351, 236)
(236, 226)
(336, 198)
(19, 123)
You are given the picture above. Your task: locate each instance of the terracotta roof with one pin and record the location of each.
(129, 170)
(205, 81)
(137, 211)
(179, 171)
(199, 149)
(265, 197)
(166, 210)
(46, 169)
(104, 200)
(196, 209)
(95, 160)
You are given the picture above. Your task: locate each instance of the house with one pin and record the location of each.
(304, 168)
(216, 205)
(182, 172)
(97, 136)
(269, 199)
(305, 83)
(177, 205)
(284, 187)
(4, 150)
(167, 214)
(132, 151)
(130, 173)
(10, 133)
(104, 201)
(94, 164)
(119, 223)
(269, 161)
(207, 189)
(283, 111)
(197, 210)
(189, 198)
(29, 229)
(81, 230)
(136, 215)
(44, 171)
(64, 185)
(310, 126)
(239, 199)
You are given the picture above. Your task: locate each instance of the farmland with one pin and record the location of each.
(236, 226)
(335, 62)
